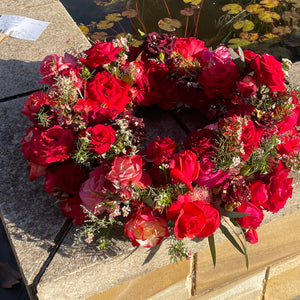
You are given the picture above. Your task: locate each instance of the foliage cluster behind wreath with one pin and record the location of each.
(86, 140)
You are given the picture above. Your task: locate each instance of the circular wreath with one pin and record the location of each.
(87, 142)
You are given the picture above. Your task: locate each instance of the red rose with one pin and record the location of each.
(289, 142)
(71, 208)
(259, 193)
(146, 229)
(279, 188)
(250, 56)
(126, 171)
(269, 71)
(190, 48)
(108, 91)
(251, 236)
(250, 137)
(161, 150)
(184, 168)
(255, 217)
(36, 171)
(219, 79)
(66, 178)
(99, 54)
(247, 86)
(33, 104)
(101, 138)
(44, 147)
(92, 112)
(200, 142)
(208, 176)
(193, 218)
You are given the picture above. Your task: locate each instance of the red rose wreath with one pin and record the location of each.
(86, 140)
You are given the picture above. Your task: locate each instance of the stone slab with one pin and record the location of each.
(284, 280)
(31, 218)
(20, 59)
(276, 242)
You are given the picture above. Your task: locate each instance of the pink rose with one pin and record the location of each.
(255, 217)
(48, 146)
(184, 168)
(100, 53)
(55, 65)
(101, 138)
(220, 55)
(208, 176)
(91, 190)
(247, 86)
(193, 218)
(126, 170)
(145, 229)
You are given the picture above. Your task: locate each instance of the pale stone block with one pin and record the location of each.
(20, 59)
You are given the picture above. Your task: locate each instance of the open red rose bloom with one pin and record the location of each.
(87, 142)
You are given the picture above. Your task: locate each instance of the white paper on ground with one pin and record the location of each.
(23, 28)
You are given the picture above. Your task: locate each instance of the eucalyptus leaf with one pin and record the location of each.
(240, 65)
(231, 238)
(212, 247)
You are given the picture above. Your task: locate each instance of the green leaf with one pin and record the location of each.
(245, 25)
(231, 214)
(212, 247)
(241, 53)
(168, 24)
(230, 237)
(239, 62)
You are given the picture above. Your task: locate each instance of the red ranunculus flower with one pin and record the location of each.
(184, 168)
(219, 79)
(193, 218)
(255, 217)
(101, 138)
(269, 71)
(108, 91)
(279, 188)
(145, 229)
(33, 104)
(190, 48)
(161, 150)
(126, 170)
(66, 178)
(44, 147)
(100, 53)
